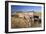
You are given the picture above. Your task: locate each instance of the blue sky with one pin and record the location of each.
(15, 8)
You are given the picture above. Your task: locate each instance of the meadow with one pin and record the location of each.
(23, 22)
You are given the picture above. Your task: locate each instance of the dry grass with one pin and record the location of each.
(22, 23)
(17, 22)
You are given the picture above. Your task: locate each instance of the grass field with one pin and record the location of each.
(20, 22)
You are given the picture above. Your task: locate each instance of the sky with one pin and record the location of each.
(15, 8)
